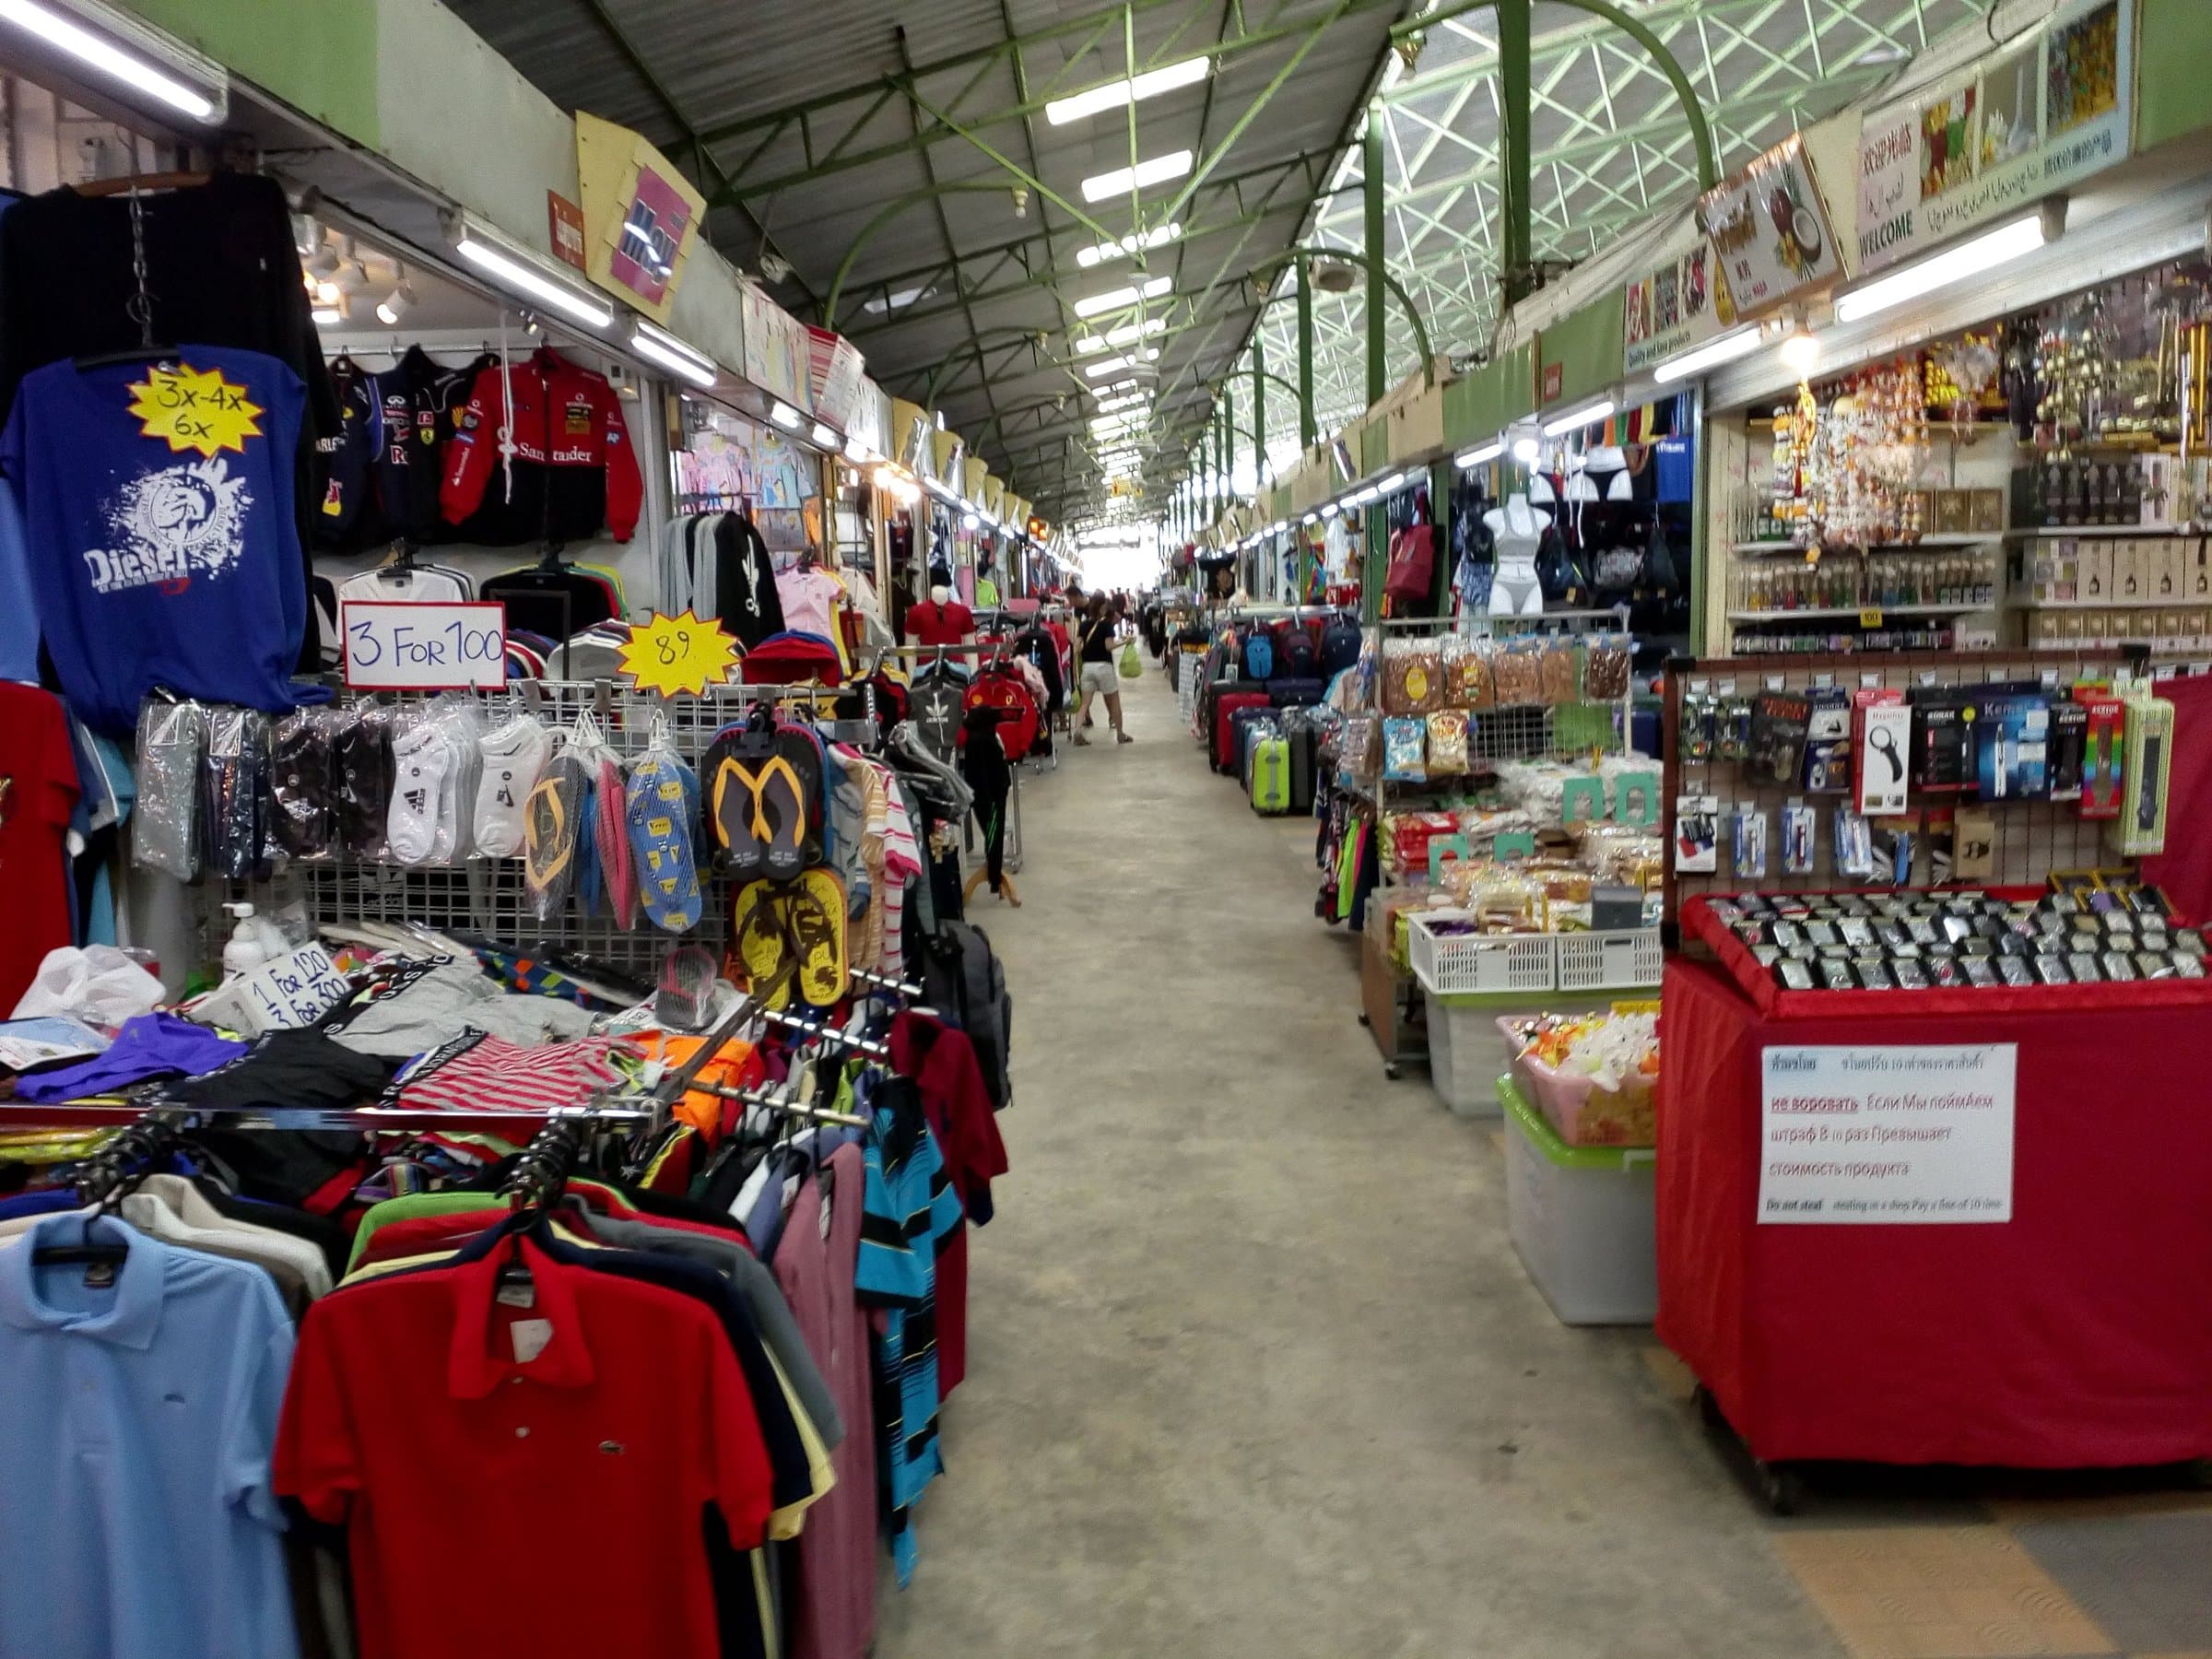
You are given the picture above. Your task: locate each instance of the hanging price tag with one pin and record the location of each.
(679, 653)
(1870, 618)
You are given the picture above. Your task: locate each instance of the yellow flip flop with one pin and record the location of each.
(760, 937)
(816, 913)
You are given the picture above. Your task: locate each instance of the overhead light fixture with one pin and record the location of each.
(1123, 180)
(1712, 355)
(969, 520)
(1392, 485)
(68, 35)
(1136, 90)
(396, 304)
(1969, 258)
(522, 274)
(1100, 253)
(1330, 509)
(658, 346)
(1525, 450)
(326, 260)
(785, 415)
(1118, 298)
(1574, 421)
(327, 316)
(826, 438)
(1310, 518)
(1801, 353)
(859, 454)
(1478, 457)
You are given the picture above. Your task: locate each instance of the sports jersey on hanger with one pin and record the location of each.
(341, 516)
(573, 471)
(417, 400)
(164, 549)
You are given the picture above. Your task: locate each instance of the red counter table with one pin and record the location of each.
(2076, 1335)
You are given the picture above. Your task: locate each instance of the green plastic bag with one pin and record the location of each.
(1133, 666)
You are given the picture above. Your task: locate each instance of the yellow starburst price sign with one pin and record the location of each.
(194, 410)
(677, 653)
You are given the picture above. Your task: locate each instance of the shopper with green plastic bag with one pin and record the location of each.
(1095, 647)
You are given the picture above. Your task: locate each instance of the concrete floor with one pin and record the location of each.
(1254, 1368)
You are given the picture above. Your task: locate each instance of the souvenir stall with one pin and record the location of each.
(461, 954)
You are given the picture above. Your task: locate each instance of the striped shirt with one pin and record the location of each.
(908, 1209)
(478, 1073)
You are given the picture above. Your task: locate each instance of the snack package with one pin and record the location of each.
(1562, 673)
(1404, 749)
(1519, 674)
(1606, 663)
(1413, 676)
(1448, 743)
(1467, 672)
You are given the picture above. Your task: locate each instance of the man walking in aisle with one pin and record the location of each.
(1095, 648)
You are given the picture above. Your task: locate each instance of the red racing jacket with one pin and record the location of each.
(574, 469)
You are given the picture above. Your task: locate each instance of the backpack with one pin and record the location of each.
(964, 981)
(1340, 643)
(1259, 657)
(1001, 689)
(1294, 656)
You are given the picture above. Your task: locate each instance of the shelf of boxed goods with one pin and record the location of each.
(1857, 612)
(2094, 532)
(1773, 548)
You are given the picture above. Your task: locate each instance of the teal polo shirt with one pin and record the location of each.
(136, 1519)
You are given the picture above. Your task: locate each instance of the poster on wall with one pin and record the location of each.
(1770, 230)
(1672, 309)
(1996, 141)
(788, 472)
(776, 351)
(1884, 1137)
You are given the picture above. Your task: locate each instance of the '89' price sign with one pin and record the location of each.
(413, 645)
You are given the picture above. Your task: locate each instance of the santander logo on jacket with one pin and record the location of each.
(573, 471)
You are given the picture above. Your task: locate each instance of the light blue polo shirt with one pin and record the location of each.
(136, 1423)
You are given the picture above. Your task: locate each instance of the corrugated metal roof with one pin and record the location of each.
(759, 95)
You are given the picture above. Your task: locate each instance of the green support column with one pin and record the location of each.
(1371, 188)
(1514, 179)
(1309, 429)
(1259, 405)
(1229, 435)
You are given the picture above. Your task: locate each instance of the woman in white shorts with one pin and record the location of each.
(1094, 649)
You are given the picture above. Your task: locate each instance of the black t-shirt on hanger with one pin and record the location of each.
(745, 581)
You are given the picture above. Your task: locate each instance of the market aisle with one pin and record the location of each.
(1254, 1369)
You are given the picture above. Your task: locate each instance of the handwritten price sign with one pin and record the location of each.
(679, 653)
(411, 645)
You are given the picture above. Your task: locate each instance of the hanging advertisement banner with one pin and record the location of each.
(776, 351)
(1999, 139)
(641, 216)
(1672, 309)
(1884, 1136)
(833, 371)
(1770, 230)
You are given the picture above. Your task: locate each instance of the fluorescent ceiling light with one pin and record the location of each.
(1711, 355)
(326, 316)
(1114, 94)
(1100, 253)
(785, 415)
(658, 346)
(1392, 485)
(1575, 419)
(1475, 457)
(969, 520)
(1969, 258)
(96, 52)
(826, 438)
(1117, 299)
(1122, 179)
(898, 301)
(1310, 518)
(1330, 509)
(521, 274)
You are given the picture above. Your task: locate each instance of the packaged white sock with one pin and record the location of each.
(420, 761)
(514, 755)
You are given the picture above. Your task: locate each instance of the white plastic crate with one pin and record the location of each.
(1465, 1052)
(1582, 1219)
(1627, 960)
(1456, 964)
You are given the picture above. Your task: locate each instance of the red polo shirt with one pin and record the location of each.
(934, 624)
(424, 1415)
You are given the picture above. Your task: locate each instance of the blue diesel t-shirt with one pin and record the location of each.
(158, 512)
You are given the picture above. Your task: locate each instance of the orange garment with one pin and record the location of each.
(736, 1067)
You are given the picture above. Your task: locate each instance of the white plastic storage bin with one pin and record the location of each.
(1449, 964)
(1582, 1219)
(1627, 960)
(1463, 1051)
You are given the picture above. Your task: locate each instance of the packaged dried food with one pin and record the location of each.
(1562, 673)
(1605, 666)
(1448, 743)
(1467, 672)
(1413, 676)
(1518, 674)
(1406, 750)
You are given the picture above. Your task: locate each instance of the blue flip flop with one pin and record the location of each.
(660, 805)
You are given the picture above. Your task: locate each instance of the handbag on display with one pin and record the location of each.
(1411, 577)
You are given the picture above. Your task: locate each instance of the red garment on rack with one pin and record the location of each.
(941, 1063)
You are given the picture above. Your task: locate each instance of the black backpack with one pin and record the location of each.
(963, 980)
(1339, 647)
(1294, 654)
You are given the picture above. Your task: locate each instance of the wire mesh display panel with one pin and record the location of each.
(2031, 837)
(486, 898)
